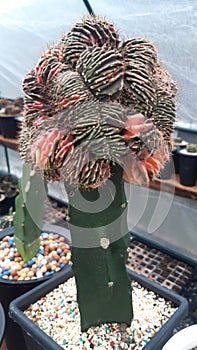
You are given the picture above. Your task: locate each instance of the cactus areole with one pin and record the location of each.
(98, 112)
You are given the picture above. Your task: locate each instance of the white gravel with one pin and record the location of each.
(57, 314)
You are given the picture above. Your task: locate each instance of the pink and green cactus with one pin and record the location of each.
(98, 112)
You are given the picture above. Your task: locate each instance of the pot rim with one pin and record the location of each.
(184, 152)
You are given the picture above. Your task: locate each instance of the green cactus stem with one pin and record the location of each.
(100, 240)
(28, 217)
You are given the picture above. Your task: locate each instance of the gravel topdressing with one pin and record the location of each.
(57, 314)
(53, 255)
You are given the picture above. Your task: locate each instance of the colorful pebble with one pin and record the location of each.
(57, 314)
(43, 264)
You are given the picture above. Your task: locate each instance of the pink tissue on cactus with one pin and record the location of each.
(136, 124)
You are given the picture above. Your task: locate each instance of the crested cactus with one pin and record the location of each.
(28, 216)
(98, 112)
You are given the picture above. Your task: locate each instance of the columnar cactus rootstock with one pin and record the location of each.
(98, 111)
(100, 240)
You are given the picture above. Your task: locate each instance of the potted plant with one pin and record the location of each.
(3, 102)
(177, 144)
(98, 112)
(172, 166)
(10, 118)
(56, 325)
(28, 256)
(188, 165)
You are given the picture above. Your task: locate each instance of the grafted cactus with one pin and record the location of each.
(28, 216)
(98, 112)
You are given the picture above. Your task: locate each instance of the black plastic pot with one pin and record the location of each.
(7, 200)
(38, 340)
(9, 126)
(175, 154)
(11, 289)
(2, 324)
(175, 157)
(187, 168)
(167, 172)
(8, 193)
(6, 179)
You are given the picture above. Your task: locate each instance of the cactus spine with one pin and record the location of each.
(28, 218)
